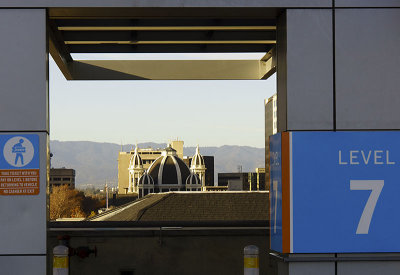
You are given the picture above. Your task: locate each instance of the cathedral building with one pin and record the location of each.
(167, 172)
(147, 156)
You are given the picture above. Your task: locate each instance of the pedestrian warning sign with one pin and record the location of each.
(19, 165)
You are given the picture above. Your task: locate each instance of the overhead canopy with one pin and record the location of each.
(163, 30)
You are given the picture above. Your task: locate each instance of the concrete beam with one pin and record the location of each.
(268, 62)
(170, 48)
(156, 13)
(167, 28)
(367, 3)
(168, 3)
(58, 51)
(171, 69)
(166, 42)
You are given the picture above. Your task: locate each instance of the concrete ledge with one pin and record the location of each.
(167, 3)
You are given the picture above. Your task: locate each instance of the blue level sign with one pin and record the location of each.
(275, 193)
(345, 192)
(280, 195)
(19, 151)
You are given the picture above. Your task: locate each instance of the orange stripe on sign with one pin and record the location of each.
(285, 193)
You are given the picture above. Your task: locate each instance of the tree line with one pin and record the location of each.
(71, 203)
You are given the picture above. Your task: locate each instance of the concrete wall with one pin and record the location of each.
(305, 70)
(168, 3)
(24, 81)
(367, 69)
(24, 110)
(175, 252)
(346, 81)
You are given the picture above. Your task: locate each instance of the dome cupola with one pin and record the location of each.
(193, 182)
(198, 166)
(136, 160)
(146, 179)
(169, 151)
(169, 169)
(145, 185)
(135, 171)
(197, 160)
(193, 179)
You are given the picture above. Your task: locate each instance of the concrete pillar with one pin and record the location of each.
(24, 111)
(305, 70)
(339, 70)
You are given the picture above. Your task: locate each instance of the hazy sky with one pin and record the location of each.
(208, 113)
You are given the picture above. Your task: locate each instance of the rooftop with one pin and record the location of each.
(193, 206)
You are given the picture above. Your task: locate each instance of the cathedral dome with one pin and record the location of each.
(197, 160)
(146, 179)
(136, 160)
(193, 179)
(169, 169)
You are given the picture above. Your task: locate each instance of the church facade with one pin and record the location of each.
(166, 172)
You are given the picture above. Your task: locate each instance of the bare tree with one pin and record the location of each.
(65, 203)
(71, 203)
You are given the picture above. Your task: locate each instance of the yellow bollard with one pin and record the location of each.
(60, 259)
(251, 261)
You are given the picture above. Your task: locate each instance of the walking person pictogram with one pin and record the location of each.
(19, 150)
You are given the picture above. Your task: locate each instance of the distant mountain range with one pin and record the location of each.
(95, 162)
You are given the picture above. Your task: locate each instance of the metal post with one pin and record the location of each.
(251, 261)
(106, 189)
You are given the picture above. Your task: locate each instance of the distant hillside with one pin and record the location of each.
(96, 162)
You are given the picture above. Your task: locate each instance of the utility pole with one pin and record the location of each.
(106, 188)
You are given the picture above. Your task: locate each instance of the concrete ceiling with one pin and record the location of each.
(162, 30)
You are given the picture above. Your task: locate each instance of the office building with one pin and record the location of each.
(271, 128)
(241, 181)
(62, 176)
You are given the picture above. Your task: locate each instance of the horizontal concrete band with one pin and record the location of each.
(349, 258)
(202, 4)
(167, 3)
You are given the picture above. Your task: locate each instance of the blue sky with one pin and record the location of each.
(208, 113)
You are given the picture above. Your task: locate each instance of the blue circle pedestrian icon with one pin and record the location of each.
(18, 151)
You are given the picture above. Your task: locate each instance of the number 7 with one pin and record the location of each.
(376, 188)
(275, 190)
